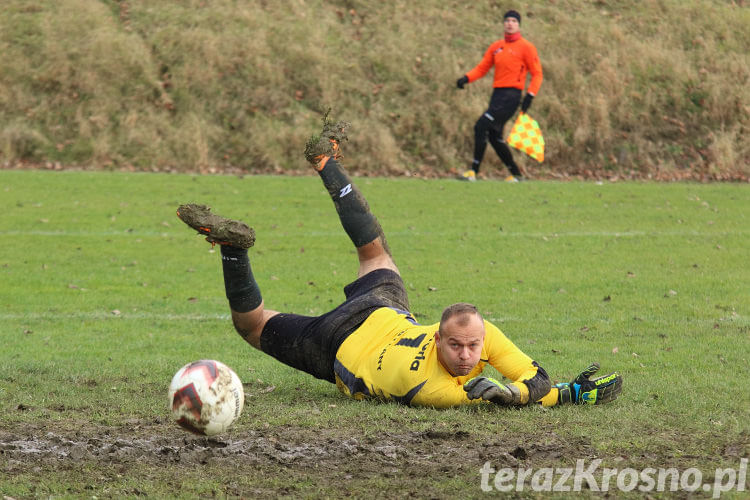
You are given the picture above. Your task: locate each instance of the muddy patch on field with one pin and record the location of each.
(31, 447)
(147, 458)
(284, 445)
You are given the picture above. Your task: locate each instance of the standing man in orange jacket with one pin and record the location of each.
(513, 57)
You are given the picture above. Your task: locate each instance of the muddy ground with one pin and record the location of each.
(37, 446)
(149, 458)
(270, 462)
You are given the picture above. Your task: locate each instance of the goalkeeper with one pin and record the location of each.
(371, 346)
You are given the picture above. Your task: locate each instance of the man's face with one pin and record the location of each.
(511, 26)
(460, 345)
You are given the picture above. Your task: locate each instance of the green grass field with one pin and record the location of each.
(106, 294)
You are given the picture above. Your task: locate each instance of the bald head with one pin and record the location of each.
(461, 313)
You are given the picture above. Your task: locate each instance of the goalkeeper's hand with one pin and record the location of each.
(491, 390)
(584, 391)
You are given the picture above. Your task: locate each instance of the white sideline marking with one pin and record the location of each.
(97, 234)
(102, 315)
(109, 315)
(551, 234)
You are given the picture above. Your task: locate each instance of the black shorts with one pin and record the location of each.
(310, 343)
(503, 105)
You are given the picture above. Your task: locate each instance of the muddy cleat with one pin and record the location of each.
(217, 229)
(469, 175)
(319, 148)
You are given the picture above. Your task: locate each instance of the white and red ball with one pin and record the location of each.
(206, 397)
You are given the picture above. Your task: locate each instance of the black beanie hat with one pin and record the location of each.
(512, 13)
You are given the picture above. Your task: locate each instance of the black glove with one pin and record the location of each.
(462, 81)
(491, 390)
(526, 104)
(598, 391)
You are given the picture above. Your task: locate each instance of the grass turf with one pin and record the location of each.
(106, 294)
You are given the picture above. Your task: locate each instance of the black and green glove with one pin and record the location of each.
(595, 392)
(491, 390)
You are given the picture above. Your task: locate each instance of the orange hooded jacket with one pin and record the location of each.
(512, 61)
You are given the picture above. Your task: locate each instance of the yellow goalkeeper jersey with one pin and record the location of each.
(392, 357)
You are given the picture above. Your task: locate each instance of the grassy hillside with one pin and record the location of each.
(651, 88)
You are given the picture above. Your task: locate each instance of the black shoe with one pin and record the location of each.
(217, 229)
(319, 148)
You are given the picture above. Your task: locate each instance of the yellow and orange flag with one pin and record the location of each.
(526, 136)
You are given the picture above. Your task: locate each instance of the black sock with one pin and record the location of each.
(482, 130)
(503, 151)
(354, 212)
(242, 290)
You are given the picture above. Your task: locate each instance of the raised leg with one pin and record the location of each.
(235, 238)
(323, 152)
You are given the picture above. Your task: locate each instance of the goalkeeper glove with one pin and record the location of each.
(584, 391)
(491, 390)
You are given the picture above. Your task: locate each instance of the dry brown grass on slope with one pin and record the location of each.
(656, 88)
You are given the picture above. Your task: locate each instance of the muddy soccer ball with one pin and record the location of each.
(206, 397)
